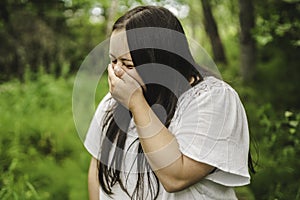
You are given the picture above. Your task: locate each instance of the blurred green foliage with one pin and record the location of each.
(278, 173)
(275, 141)
(41, 155)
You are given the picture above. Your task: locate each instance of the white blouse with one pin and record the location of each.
(210, 125)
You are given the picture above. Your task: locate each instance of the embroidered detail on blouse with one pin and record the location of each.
(185, 99)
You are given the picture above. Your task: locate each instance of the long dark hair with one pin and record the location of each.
(180, 60)
(141, 17)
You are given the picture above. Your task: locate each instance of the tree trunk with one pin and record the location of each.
(110, 16)
(247, 42)
(212, 31)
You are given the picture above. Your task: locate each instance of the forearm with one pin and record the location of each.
(153, 134)
(93, 185)
(161, 149)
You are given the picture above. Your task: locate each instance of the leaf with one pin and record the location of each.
(292, 131)
(293, 123)
(32, 189)
(288, 114)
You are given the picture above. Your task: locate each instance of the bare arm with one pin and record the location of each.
(174, 170)
(93, 185)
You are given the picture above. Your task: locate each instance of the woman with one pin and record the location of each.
(167, 129)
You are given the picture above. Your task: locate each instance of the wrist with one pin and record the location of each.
(137, 104)
(140, 112)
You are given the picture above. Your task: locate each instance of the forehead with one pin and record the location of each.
(118, 45)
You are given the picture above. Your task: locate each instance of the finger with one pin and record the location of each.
(111, 73)
(109, 77)
(137, 78)
(118, 71)
(127, 79)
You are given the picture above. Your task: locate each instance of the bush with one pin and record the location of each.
(41, 155)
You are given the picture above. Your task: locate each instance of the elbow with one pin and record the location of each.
(172, 185)
(172, 189)
(175, 186)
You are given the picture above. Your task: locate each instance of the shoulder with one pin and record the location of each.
(210, 101)
(210, 85)
(210, 91)
(211, 127)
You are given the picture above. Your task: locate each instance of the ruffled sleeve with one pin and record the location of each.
(212, 128)
(93, 136)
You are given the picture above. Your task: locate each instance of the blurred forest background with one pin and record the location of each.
(43, 42)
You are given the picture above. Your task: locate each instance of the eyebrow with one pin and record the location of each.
(123, 59)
